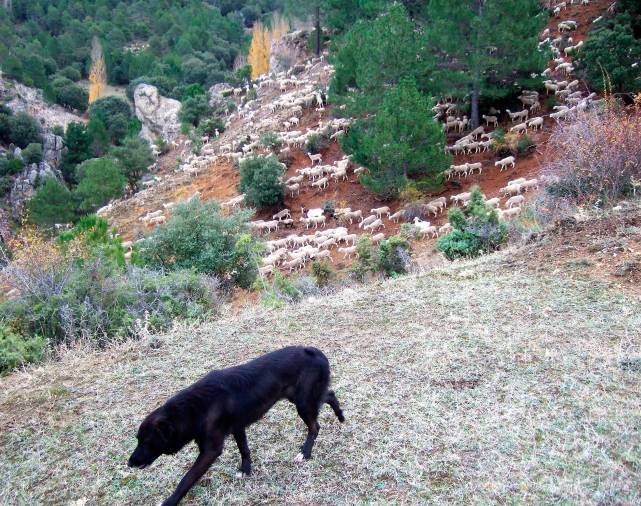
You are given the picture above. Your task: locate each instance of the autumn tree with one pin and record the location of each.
(98, 74)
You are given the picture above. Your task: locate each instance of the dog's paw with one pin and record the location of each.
(240, 475)
(299, 458)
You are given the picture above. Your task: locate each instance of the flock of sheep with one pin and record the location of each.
(279, 107)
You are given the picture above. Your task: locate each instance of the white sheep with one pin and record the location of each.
(347, 252)
(379, 211)
(520, 128)
(317, 158)
(445, 229)
(510, 160)
(536, 123)
(519, 115)
(321, 183)
(515, 201)
(491, 119)
(375, 225)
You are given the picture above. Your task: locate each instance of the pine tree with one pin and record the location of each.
(402, 141)
(485, 46)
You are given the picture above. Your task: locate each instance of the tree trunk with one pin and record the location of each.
(318, 31)
(475, 119)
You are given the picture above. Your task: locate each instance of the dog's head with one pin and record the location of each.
(155, 438)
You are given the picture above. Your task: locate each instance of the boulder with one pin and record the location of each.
(52, 149)
(216, 98)
(158, 114)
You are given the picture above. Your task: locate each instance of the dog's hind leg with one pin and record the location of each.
(331, 399)
(246, 460)
(309, 414)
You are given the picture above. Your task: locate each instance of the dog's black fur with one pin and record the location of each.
(227, 401)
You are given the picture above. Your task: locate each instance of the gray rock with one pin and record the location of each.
(216, 98)
(17, 153)
(158, 114)
(52, 146)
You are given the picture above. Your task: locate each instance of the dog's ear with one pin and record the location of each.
(165, 429)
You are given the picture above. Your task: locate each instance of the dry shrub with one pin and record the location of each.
(596, 159)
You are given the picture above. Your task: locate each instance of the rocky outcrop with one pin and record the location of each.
(21, 98)
(158, 114)
(288, 50)
(24, 186)
(52, 146)
(216, 97)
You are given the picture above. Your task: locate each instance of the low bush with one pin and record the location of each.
(322, 273)
(260, 181)
(316, 143)
(32, 153)
(199, 237)
(596, 159)
(394, 256)
(16, 350)
(270, 140)
(476, 230)
(75, 290)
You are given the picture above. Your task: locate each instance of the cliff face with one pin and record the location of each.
(158, 114)
(288, 50)
(21, 98)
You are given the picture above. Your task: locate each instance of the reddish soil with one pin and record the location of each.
(220, 180)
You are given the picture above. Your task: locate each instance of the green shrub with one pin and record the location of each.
(10, 166)
(365, 258)
(16, 350)
(393, 256)
(100, 180)
(524, 144)
(199, 237)
(69, 94)
(194, 109)
(32, 153)
(322, 273)
(316, 143)
(71, 73)
(24, 130)
(210, 125)
(52, 203)
(282, 291)
(6, 182)
(476, 230)
(260, 181)
(270, 140)
(134, 158)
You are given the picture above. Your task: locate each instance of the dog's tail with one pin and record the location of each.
(330, 398)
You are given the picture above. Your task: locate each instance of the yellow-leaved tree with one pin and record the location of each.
(98, 74)
(262, 38)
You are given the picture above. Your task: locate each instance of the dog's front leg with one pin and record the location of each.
(204, 461)
(246, 460)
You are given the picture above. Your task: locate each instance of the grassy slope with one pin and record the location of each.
(472, 384)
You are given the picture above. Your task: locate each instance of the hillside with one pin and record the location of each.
(482, 382)
(213, 173)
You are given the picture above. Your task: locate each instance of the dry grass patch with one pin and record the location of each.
(475, 383)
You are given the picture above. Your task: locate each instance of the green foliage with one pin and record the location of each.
(99, 136)
(282, 291)
(16, 351)
(607, 58)
(316, 143)
(401, 142)
(71, 73)
(322, 273)
(100, 180)
(78, 143)
(360, 81)
(32, 153)
(115, 113)
(52, 203)
(10, 166)
(69, 94)
(134, 158)
(194, 109)
(24, 130)
(464, 30)
(95, 237)
(476, 230)
(210, 125)
(270, 140)
(524, 144)
(393, 255)
(199, 237)
(365, 258)
(260, 181)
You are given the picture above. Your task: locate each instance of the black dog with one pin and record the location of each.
(226, 401)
